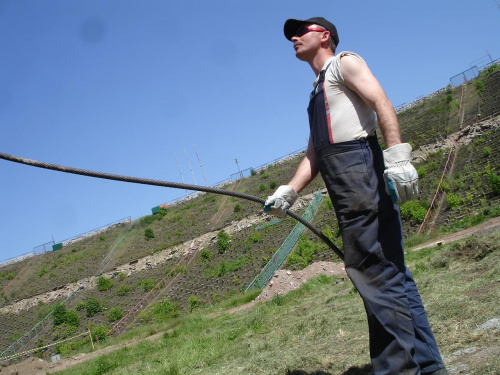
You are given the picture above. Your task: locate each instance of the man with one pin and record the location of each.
(365, 184)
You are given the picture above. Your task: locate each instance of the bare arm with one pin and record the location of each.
(306, 171)
(359, 78)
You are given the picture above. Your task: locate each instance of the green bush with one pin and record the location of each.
(206, 255)
(303, 255)
(421, 171)
(223, 240)
(147, 284)
(194, 302)
(42, 271)
(104, 284)
(72, 318)
(59, 314)
(92, 307)
(453, 200)
(161, 311)
(80, 306)
(494, 182)
(413, 210)
(115, 314)
(100, 331)
(149, 234)
(223, 268)
(63, 316)
(273, 184)
(262, 187)
(237, 207)
(123, 290)
(486, 151)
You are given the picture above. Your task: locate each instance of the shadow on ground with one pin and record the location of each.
(364, 370)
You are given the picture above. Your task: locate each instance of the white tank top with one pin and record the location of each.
(350, 117)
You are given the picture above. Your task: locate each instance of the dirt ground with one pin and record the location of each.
(283, 282)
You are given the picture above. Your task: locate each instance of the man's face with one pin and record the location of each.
(307, 40)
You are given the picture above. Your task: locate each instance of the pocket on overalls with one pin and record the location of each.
(347, 177)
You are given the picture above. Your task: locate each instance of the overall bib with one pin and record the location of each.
(401, 340)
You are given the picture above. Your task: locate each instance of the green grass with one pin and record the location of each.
(321, 326)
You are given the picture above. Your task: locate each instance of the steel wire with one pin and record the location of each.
(175, 185)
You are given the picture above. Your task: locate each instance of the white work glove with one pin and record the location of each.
(282, 199)
(401, 178)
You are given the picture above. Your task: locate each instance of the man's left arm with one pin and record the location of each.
(400, 175)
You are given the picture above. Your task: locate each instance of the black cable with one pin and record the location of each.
(175, 185)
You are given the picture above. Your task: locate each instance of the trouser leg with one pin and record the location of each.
(426, 348)
(372, 236)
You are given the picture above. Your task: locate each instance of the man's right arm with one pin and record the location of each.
(285, 196)
(306, 171)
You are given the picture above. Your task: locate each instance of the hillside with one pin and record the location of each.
(180, 246)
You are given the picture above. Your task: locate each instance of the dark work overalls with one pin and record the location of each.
(401, 340)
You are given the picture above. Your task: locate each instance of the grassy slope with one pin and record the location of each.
(322, 326)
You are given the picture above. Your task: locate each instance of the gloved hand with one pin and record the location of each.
(401, 178)
(282, 199)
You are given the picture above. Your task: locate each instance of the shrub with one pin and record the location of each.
(147, 284)
(413, 210)
(104, 284)
(303, 254)
(486, 151)
(480, 86)
(273, 184)
(59, 314)
(162, 311)
(237, 207)
(253, 172)
(262, 187)
(256, 237)
(72, 318)
(80, 306)
(206, 255)
(193, 303)
(148, 234)
(123, 290)
(421, 171)
(453, 200)
(115, 314)
(42, 271)
(92, 307)
(493, 180)
(223, 240)
(100, 331)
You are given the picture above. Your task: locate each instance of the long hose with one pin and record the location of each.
(175, 185)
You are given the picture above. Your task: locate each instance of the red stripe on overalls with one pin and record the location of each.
(327, 108)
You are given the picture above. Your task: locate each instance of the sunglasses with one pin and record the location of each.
(305, 29)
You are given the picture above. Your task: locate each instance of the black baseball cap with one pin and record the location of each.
(292, 25)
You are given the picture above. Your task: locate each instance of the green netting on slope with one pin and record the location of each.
(280, 255)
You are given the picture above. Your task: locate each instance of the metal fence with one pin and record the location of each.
(465, 76)
(281, 254)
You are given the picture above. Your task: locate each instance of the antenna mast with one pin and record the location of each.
(189, 163)
(199, 162)
(179, 168)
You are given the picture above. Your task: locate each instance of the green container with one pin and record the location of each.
(57, 246)
(155, 210)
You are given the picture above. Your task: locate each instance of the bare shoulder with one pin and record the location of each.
(351, 64)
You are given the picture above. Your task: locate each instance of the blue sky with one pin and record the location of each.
(120, 86)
